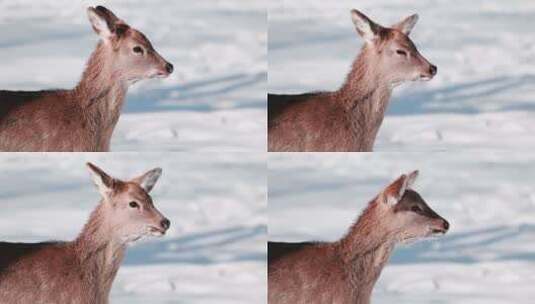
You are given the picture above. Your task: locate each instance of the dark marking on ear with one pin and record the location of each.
(106, 13)
(107, 180)
(116, 25)
(395, 190)
(120, 29)
(102, 13)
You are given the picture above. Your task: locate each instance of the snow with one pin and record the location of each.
(488, 198)
(215, 250)
(483, 49)
(214, 101)
(480, 105)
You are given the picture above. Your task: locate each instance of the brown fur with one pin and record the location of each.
(345, 271)
(81, 119)
(347, 119)
(80, 271)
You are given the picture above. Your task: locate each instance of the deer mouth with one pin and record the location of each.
(153, 230)
(158, 74)
(438, 231)
(425, 77)
(161, 75)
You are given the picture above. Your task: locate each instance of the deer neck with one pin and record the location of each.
(365, 94)
(102, 89)
(366, 249)
(99, 252)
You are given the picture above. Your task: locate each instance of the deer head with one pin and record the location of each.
(133, 57)
(404, 215)
(127, 208)
(391, 52)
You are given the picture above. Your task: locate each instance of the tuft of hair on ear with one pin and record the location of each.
(406, 25)
(411, 178)
(116, 25)
(105, 23)
(105, 183)
(392, 193)
(365, 27)
(148, 179)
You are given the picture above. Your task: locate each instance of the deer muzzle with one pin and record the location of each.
(441, 227)
(164, 69)
(161, 228)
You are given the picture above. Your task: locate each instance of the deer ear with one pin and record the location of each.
(149, 179)
(99, 23)
(394, 192)
(366, 28)
(105, 23)
(406, 25)
(103, 181)
(108, 15)
(411, 178)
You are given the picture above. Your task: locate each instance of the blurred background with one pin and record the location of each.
(215, 99)
(215, 250)
(483, 96)
(488, 198)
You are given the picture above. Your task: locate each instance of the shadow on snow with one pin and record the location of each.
(456, 98)
(200, 96)
(468, 247)
(225, 245)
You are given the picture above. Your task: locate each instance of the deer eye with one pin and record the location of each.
(133, 205)
(401, 52)
(138, 50)
(416, 209)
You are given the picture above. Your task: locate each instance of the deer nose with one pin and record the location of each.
(169, 68)
(165, 223)
(433, 70)
(446, 225)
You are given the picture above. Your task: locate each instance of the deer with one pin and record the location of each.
(345, 271)
(349, 118)
(83, 118)
(82, 271)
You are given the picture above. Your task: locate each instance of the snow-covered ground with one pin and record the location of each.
(215, 250)
(488, 198)
(482, 97)
(215, 100)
